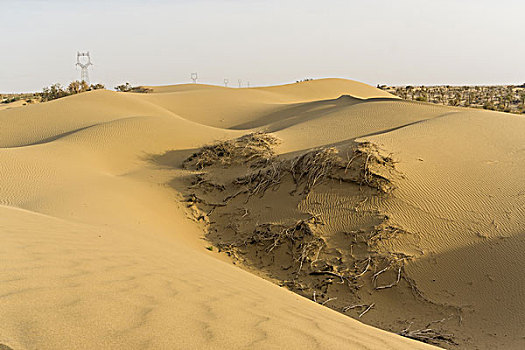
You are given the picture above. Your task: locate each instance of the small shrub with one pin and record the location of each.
(300, 81)
(76, 87)
(141, 89)
(96, 87)
(124, 87)
(53, 92)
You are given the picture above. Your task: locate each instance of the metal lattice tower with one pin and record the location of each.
(240, 82)
(84, 61)
(194, 77)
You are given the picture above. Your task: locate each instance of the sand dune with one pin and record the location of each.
(232, 107)
(101, 247)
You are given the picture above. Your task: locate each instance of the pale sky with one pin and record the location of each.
(265, 42)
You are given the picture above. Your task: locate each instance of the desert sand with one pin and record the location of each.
(397, 216)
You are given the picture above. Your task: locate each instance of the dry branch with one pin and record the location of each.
(395, 283)
(366, 310)
(428, 334)
(327, 300)
(351, 307)
(329, 273)
(369, 261)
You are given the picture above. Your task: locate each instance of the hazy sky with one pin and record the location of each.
(266, 42)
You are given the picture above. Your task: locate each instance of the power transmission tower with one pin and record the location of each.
(84, 61)
(248, 84)
(240, 82)
(226, 81)
(194, 77)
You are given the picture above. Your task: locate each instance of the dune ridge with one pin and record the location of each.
(103, 248)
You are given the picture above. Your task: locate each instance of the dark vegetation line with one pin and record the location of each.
(56, 91)
(503, 98)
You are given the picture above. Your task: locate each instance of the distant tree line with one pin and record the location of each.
(503, 98)
(76, 87)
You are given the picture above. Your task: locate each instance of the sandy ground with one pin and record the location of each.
(100, 248)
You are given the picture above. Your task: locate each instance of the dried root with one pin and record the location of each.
(370, 307)
(193, 199)
(364, 307)
(302, 242)
(260, 181)
(372, 238)
(428, 334)
(202, 182)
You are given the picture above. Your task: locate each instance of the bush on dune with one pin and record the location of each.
(128, 88)
(75, 87)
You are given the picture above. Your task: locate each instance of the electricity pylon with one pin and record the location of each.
(84, 61)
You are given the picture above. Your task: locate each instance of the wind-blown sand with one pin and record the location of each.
(101, 247)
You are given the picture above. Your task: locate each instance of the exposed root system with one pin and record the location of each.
(351, 270)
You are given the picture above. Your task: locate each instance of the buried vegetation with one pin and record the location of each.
(267, 213)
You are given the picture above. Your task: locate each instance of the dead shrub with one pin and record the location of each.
(314, 167)
(256, 148)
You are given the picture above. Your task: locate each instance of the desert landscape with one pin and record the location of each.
(321, 214)
(278, 174)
